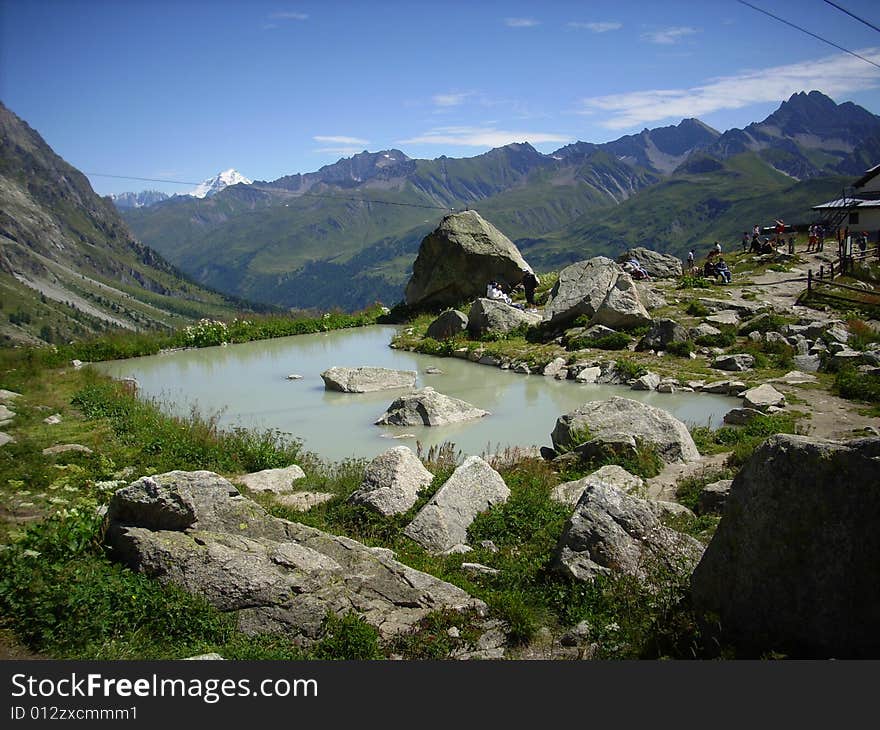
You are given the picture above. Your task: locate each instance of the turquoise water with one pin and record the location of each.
(246, 385)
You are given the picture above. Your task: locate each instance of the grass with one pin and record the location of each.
(741, 441)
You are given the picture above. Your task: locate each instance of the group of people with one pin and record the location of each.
(529, 283)
(714, 267)
(816, 237)
(632, 267)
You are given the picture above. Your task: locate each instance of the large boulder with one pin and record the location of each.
(794, 565)
(491, 315)
(624, 416)
(367, 380)
(598, 289)
(194, 529)
(443, 522)
(392, 482)
(447, 325)
(457, 260)
(427, 407)
(658, 265)
(663, 333)
(614, 532)
(622, 308)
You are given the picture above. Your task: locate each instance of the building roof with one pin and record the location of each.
(870, 174)
(849, 203)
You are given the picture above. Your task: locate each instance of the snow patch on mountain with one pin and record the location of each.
(215, 184)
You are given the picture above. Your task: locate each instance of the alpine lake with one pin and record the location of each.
(247, 386)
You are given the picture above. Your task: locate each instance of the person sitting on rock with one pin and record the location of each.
(635, 269)
(722, 270)
(494, 292)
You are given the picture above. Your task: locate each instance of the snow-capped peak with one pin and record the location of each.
(221, 180)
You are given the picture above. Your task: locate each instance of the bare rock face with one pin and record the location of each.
(443, 522)
(392, 482)
(794, 565)
(611, 531)
(624, 416)
(598, 289)
(194, 529)
(658, 265)
(459, 258)
(447, 325)
(427, 407)
(490, 315)
(367, 380)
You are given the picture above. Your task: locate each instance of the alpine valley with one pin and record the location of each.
(339, 237)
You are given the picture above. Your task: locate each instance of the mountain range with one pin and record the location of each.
(69, 266)
(347, 234)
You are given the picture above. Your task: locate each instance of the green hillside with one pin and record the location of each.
(69, 267)
(690, 210)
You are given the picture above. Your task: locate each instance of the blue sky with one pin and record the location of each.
(182, 90)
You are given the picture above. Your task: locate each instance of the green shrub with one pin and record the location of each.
(696, 308)
(726, 338)
(614, 341)
(681, 349)
(347, 637)
(629, 368)
(861, 335)
(689, 281)
(849, 383)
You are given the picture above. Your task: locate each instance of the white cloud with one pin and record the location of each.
(481, 137)
(669, 36)
(289, 15)
(521, 22)
(339, 139)
(602, 27)
(833, 75)
(451, 99)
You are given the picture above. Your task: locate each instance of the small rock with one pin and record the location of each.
(553, 367)
(735, 363)
(276, 481)
(211, 656)
(294, 376)
(5, 438)
(713, 496)
(763, 397)
(479, 568)
(433, 371)
(303, 501)
(489, 545)
(63, 448)
(53, 419)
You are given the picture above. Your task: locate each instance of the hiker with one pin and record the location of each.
(756, 244)
(811, 237)
(690, 262)
(716, 250)
(494, 292)
(709, 269)
(820, 237)
(745, 241)
(530, 283)
(635, 269)
(780, 230)
(722, 270)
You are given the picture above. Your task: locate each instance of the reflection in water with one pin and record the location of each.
(247, 386)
